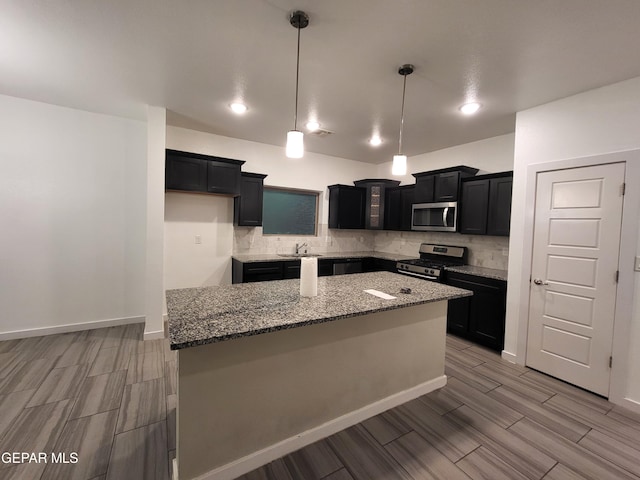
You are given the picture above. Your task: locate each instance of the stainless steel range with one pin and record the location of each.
(433, 259)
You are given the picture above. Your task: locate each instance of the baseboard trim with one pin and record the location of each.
(257, 459)
(154, 335)
(508, 356)
(629, 404)
(71, 327)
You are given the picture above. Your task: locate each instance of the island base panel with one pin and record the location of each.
(247, 401)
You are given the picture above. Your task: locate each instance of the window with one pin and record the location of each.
(289, 212)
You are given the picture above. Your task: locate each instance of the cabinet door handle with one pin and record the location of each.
(537, 281)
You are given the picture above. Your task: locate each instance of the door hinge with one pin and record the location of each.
(623, 188)
(610, 362)
(617, 275)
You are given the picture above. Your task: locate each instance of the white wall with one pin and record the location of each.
(72, 212)
(187, 264)
(489, 156)
(187, 215)
(154, 242)
(595, 122)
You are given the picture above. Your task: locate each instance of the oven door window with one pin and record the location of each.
(435, 217)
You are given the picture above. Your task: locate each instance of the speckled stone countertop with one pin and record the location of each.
(480, 272)
(274, 257)
(198, 316)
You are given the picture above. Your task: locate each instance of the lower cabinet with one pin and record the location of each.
(282, 270)
(373, 264)
(481, 317)
(256, 271)
(242, 272)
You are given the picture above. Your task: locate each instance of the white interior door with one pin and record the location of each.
(576, 244)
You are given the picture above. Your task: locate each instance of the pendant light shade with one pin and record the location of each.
(295, 144)
(295, 138)
(399, 165)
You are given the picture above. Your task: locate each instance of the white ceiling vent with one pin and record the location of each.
(320, 133)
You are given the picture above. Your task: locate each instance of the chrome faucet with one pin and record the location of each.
(299, 246)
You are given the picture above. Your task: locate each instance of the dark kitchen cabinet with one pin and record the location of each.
(346, 206)
(486, 204)
(480, 317)
(374, 209)
(424, 189)
(374, 264)
(446, 187)
(398, 207)
(291, 269)
(223, 176)
(325, 267)
(500, 192)
(185, 173)
(441, 185)
(247, 207)
(195, 172)
(474, 207)
(245, 272)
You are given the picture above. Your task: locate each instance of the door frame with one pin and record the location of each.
(624, 298)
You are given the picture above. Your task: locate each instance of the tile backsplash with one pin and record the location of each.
(251, 240)
(484, 251)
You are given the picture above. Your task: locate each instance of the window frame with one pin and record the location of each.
(295, 190)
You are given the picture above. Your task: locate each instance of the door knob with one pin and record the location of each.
(537, 281)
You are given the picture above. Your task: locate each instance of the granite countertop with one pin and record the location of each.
(198, 316)
(480, 272)
(274, 257)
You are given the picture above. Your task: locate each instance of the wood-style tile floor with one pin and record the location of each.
(104, 394)
(111, 397)
(494, 420)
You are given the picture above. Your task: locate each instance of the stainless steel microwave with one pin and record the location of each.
(434, 217)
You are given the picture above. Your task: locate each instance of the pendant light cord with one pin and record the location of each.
(295, 115)
(404, 89)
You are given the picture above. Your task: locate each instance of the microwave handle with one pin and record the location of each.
(444, 216)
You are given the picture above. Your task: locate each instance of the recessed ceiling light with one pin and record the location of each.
(238, 108)
(375, 140)
(470, 108)
(313, 126)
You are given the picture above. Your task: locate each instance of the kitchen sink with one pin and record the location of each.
(299, 255)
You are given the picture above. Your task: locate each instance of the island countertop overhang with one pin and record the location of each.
(200, 316)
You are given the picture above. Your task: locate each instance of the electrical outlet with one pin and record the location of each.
(637, 267)
(198, 239)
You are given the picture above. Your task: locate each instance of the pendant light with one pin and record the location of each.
(295, 138)
(399, 165)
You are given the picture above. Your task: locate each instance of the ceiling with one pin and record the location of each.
(195, 57)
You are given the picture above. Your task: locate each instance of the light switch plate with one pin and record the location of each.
(637, 266)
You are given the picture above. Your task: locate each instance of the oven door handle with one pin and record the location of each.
(445, 212)
(419, 275)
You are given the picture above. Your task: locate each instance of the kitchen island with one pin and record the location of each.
(263, 372)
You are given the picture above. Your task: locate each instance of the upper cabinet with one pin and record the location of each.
(398, 204)
(441, 185)
(346, 206)
(247, 207)
(486, 204)
(201, 173)
(499, 218)
(374, 214)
